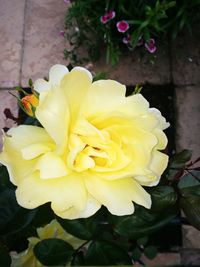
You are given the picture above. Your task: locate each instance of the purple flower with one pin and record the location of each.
(126, 39)
(66, 1)
(62, 33)
(122, 26)
(108, 16)
(150, 46)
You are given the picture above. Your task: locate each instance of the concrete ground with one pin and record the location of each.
(30, 43)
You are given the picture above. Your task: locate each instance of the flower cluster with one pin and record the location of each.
(107, 16)
(122, 27)
(95, 147)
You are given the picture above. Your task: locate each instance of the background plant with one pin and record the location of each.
(147, 19)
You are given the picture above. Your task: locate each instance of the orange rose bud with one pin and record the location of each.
(29, 103)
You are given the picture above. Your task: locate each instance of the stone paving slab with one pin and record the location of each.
(188, 119)
(43, 46)
(11, 33)
(191, 237)
(162, 259)
(7, 101)
(134, 69)
(185, 59)
(190, 257)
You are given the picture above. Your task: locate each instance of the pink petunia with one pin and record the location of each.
(122, 26)
(126, 39)
(108, 16)
(150, 46)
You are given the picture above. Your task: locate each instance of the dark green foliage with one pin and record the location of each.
(105, 253)
(13, 218)
(53, 252)
(82, 228)
(5, 259)
(189, 188)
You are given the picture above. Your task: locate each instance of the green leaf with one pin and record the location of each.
(81, 228)
(53, 251)
(13, 218)
(135, 36)
(181, 159)
(43, 216)
(189, 183)
(150, 252)
(191, 208)
(189, 188)
(144, 24)
(105, 253)
(5, 259)
(144, 222)
(162, 197)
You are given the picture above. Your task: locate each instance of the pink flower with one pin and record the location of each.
(126, 39)
(62, 33)
(108, 16)
(66, 1)
(122, 26)
(150, 46)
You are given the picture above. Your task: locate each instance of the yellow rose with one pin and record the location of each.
(52, 230)
(97, 147)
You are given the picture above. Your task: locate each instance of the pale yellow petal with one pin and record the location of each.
(34, 150)
(133, 105)
(63, 193)
(103, 96)
(25, 135)
(51, 166)
(162, 121)
(56, 74)
(92, 206)
(158, 162)
(162, 139)
(53, 114)
(40, 85)
(118, 195)
(16, 140)
(151, 179)
(83, 70)
(75, 86)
